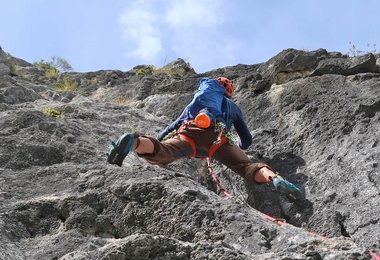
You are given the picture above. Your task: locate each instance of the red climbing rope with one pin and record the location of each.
(216, 180)
(278, 221)
(374, 255)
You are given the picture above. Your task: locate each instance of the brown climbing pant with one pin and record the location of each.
(176, 148)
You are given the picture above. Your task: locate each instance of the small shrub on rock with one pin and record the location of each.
(121, 100)
(53, 112)
(145, 70)
(12, 65)
(67, 85)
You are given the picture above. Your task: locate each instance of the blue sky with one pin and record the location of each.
(120, 34)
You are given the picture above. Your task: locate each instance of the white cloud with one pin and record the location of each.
(196, 28)
(188, 29)
(139, 29)
(194, 13)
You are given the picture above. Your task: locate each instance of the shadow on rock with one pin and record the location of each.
(266, 199)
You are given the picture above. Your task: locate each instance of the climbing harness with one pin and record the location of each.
(190, 141)
(221, 140)
(214, 147)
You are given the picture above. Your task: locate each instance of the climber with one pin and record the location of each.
(186, 137)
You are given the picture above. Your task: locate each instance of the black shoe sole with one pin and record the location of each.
(116, 155)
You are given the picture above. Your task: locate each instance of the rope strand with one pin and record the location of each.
(216, 180)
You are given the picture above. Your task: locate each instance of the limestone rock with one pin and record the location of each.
(4, 66)
(314, 118)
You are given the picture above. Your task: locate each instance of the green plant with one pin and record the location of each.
(53, 112)
(121, 100)
(93, 82)
(44, 65)
(146, 70)
(163, 70)
(12, 65)
(52, 73)
(67, 85)
(52, 68)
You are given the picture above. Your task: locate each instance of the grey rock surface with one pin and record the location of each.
(314, 116)
(4, 66)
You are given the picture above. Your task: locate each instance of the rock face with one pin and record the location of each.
(314, 116)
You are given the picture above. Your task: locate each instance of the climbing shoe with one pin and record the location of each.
(286, 187)
(120, 149)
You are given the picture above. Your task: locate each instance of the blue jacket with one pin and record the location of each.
(236, 119)
(209, 95)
